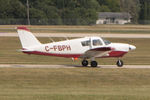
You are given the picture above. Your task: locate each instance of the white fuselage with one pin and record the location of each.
(77, 47)
(85, 48)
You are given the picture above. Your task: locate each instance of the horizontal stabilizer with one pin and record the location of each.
(22, 50)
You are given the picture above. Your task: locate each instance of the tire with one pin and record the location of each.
(93, 64)
(85, 63)
(119, 63)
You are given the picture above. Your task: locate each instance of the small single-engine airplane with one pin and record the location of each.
(84, 48)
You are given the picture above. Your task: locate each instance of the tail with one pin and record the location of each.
(27, 39)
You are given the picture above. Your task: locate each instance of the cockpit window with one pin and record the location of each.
(106, 42)
(97, 42)
(85, 43)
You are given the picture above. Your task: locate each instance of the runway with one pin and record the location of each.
(72, 66)
(80, 35)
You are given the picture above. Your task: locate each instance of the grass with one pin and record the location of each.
(74, 84)
(10, 55)
(126, 29)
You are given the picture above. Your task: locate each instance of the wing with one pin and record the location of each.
(97, 52)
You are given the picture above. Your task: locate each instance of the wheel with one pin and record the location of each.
(119, 63)
(85, 63)
(93, 64)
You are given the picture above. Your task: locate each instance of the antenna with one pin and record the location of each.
(51, 39)
(66, 38)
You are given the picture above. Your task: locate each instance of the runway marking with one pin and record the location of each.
(70, 66)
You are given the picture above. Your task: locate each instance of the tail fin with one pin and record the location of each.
(27, 38)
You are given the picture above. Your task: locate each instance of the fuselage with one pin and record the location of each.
(75, 48)
(84, 48)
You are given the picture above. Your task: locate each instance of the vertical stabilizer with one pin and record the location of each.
(27, 38)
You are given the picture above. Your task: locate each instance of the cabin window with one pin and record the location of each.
(106, 42)
(85, 43)
(97, 42)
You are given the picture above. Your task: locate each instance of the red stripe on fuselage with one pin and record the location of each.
(117, 53)
(53, 54)
(111, 54)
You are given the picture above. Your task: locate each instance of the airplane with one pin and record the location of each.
(84, 48)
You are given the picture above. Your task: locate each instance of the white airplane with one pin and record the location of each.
(84, 48)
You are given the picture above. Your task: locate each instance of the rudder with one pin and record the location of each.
(27, 38)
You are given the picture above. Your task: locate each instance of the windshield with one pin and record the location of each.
(106, 42)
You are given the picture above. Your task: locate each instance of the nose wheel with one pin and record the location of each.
(119, 63)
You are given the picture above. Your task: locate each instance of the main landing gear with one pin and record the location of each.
(85, 63)
(93, 63)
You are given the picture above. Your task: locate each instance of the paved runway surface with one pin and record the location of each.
(80, 35)
(68, 66)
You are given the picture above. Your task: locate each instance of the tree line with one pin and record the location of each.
(70, 12)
